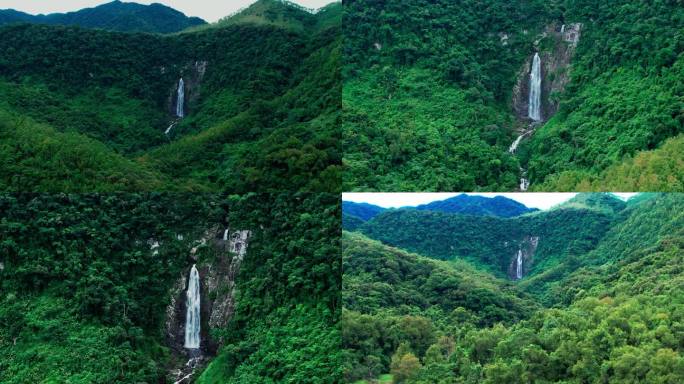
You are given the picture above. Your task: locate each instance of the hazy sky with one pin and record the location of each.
(209, 10)
(396, 200)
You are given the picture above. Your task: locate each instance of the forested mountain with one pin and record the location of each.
(91, 286)
(114, 16)
(355, 214)
(607, 308)
(437, 94)
(478, 205)
(257, 109)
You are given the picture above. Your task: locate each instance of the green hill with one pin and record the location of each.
(608, 312)
(262, 104)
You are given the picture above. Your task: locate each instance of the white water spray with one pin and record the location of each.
(535, 89)
(181, 98)
(192, 316)
(519, 269)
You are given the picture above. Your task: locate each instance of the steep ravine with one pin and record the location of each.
(217, 256)
(555, 49)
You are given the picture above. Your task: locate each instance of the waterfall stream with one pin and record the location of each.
(180, 99)
(535, 89)
(534, 113)
(519, 268)
(192, 317)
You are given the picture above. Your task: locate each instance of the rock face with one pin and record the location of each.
(192, 74)
(528, 246)
(555, 70)
(217, 299)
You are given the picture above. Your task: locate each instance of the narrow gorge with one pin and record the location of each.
(542, 79)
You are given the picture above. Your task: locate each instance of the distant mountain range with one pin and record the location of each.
(498, 206)
(115, 16)
(478, 206)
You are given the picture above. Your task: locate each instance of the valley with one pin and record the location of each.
(86, 110)
(574, 293)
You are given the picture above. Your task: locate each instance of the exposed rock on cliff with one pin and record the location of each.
(224, 250)
(192, 74)
(528, 247)
(556, 47)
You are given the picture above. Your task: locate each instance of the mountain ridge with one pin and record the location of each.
(115, 16)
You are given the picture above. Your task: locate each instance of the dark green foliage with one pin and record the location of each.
(263, 117)
(428, 88)
(115, 16)
(288, 305)
(617, 315)
(478, 206)
(80, 283)
(351, 223)
(84, 296)
(492, 242)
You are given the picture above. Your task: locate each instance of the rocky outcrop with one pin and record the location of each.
(560, 42)
(528, 247)
(226, 250)
(192, 74)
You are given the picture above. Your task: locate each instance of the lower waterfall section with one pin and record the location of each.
(192, 317)
(203, 299)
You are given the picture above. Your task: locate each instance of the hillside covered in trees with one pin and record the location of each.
(597, 297)
(87, 280)
(436, 95)
(258, 106)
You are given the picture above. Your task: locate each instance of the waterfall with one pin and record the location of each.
(181, 98)
(524, 184)
(192, 316)
(519, 269)
(535, 89)
(225, 235)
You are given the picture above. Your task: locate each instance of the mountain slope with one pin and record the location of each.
(436, 93)
(387, 293)
(493, 243)
(612, 312)
(114, 16)
(261, 107)
(93, 275)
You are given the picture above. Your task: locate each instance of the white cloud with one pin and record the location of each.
(395, 200)
(209, 10)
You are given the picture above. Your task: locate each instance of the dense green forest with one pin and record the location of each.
(262, 106)
(608, 309)
(430, 89)
(115, 16)
(83, 295)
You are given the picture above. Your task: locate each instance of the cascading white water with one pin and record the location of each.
(535, 89)
(524, 184)
(192, 316)
(519, 269)
(225, 235)
(181, 98)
